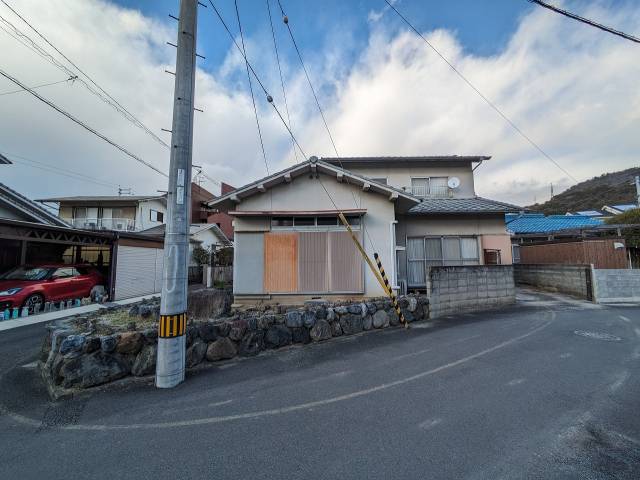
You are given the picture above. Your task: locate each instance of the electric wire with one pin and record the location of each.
(70, 79)
(284, 93)
(477, 91)
(105, 96)
(306, 73)
(253, 99)
(255, 75)
(27, 162)
(573, 16)
(81, 123)
(286, 21)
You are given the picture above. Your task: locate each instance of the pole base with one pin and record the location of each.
(170, 366)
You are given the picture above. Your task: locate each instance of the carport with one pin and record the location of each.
(131, 262)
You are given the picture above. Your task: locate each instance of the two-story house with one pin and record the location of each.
(128, 213)
(415, 212)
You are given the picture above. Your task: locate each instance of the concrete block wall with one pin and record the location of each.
(616, 285)
(570, 279)
(459, 289)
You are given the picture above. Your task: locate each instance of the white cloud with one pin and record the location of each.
(571, 88)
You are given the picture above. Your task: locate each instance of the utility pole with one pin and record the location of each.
(638, 189)
(551, 189)
(173, 307)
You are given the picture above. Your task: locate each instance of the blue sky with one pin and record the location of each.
(570, 87)
(483, 27)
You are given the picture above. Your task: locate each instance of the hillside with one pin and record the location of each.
(607, 189)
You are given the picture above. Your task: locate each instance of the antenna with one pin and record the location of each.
(124, 191)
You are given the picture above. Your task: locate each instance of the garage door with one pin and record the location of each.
(138, 272)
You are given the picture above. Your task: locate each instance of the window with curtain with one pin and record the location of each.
(426, 252)
(416, 261)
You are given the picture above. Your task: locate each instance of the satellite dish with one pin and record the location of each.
(453, 182)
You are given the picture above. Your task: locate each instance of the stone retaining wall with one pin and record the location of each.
(87, 351)
(459, 289)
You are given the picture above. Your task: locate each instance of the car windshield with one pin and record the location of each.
(26, 273)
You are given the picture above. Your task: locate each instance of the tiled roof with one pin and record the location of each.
(463, 205)
(538, 223)
(396, 159)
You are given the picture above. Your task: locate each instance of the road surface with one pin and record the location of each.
(547, 389)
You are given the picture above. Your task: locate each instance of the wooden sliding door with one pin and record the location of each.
(281, 262)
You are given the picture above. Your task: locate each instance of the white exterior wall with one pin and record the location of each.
(205, 238)
(143, 214)
(305, 194)
(400, 176)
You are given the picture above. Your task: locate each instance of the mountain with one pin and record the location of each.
(608, 189)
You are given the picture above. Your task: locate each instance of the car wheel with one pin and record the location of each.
(32, 301)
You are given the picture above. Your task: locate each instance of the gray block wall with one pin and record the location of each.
(570, 279)
(616, 286)
(462, 289)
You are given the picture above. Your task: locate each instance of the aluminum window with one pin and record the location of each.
(426, 252)
(314, 223)
(430, 186)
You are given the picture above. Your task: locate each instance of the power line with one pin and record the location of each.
(81, 123)
(253, 100)
(553, 8)
(306, 73)
(285, 20)
(57, 170)
(284, 93)
(111, 100)
(70, 79)
(255, 75)
(486, 99)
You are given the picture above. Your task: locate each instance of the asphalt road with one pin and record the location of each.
(548, 389)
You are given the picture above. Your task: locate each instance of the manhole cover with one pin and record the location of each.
(598, 336)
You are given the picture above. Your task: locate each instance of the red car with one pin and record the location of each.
(29, 285)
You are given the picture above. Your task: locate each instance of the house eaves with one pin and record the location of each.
(400, 161)
(28, 208)
(314, 166)
(4, 160)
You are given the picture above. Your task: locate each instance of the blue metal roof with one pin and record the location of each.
(538, 223)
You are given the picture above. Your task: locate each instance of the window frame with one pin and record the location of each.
(159, 215)
(429, 262)
(428, 193)
(355, 225)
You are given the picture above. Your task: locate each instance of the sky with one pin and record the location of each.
(571, 88)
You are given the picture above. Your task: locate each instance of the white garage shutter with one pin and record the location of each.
(138, 272)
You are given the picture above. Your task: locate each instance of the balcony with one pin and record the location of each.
(117, 224)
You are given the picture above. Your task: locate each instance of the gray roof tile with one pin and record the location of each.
(462, 205)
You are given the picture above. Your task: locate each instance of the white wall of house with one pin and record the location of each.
(307, 194)
(143, 213)
(400, 176)
(205, 239)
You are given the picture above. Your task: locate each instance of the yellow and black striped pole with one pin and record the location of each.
(392, 295)
(172, 326)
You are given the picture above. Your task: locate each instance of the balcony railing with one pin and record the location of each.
(118, 224)
(423, 191)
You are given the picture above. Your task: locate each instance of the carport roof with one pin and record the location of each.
(27, 208)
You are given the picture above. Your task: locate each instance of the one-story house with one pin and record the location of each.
(415, 212)
(205, 235)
